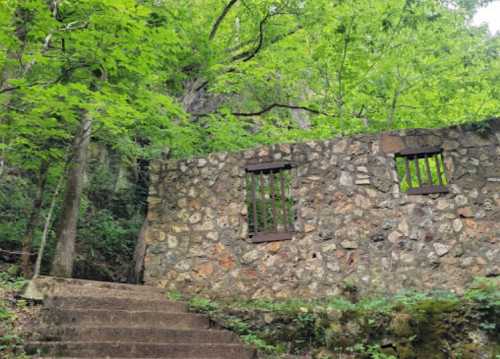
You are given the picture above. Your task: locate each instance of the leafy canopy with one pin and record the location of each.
(205, 75)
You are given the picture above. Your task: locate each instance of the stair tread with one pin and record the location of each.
(131, 318)
(110, 302)
(98, 310)
(96, 284)
(149, 334)
(201, 330)
(139, 349)
(105, 297)
(117, 342)
(89, 319)
(75, 290)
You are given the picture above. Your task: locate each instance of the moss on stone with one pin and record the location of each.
(411, 325)
(400, 325)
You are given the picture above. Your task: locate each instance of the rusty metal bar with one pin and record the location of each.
(445, 174)
(273, 200)
(263, 200)
(419, 177)
(268, 166)
(408, 172)
(420, 151)
(438, 169)
(284, 202)
(428, 169)
(254, 204)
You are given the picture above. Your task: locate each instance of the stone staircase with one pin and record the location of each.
(88, 319)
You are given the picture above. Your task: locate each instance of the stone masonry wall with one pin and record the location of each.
(354, 228)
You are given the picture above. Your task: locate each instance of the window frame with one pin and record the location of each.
(413, 155)
(258, 171)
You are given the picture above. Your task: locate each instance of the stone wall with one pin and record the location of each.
(354, 227)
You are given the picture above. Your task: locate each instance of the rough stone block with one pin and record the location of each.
(391, 144)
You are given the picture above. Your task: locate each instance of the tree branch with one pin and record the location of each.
(8, 89)
(248, 55)
(221, 17)
(269, 108)
(16, 253)
(66, 72)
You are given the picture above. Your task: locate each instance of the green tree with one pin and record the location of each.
(87, 70)
(206, 75)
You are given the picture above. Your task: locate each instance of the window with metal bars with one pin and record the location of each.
(269, 202)
(422, 171)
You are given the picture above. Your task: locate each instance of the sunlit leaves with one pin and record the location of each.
(99, 56)
(371, 64)
(366, 65)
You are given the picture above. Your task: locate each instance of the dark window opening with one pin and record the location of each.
(269, 202)
(422, 171)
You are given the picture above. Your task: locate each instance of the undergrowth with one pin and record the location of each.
(407, 325)
(12, 312)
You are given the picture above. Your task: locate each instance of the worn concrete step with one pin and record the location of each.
(73, 291)
(125, 318)
(113, 303)
(49, 285)
(143, 335)
(140, 350)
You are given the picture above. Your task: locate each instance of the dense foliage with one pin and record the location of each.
(203, 75)
(13, 314)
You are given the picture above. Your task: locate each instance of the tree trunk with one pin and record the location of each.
(62, 264)
(139, 253)
(48, 221)
(33, 220)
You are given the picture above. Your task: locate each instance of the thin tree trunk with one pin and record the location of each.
(139, 253)
(46, 227)
(33, 218)
(62, 264)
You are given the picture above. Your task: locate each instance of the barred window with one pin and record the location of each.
(422, 171)
(269, 202)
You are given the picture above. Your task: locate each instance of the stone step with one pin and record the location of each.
(127, 318)
(83, 291)
(126, 334)
(140, 350)
(88, 319)
(113, 303)
(67, 284)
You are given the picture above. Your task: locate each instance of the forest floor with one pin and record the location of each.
(17, 316)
